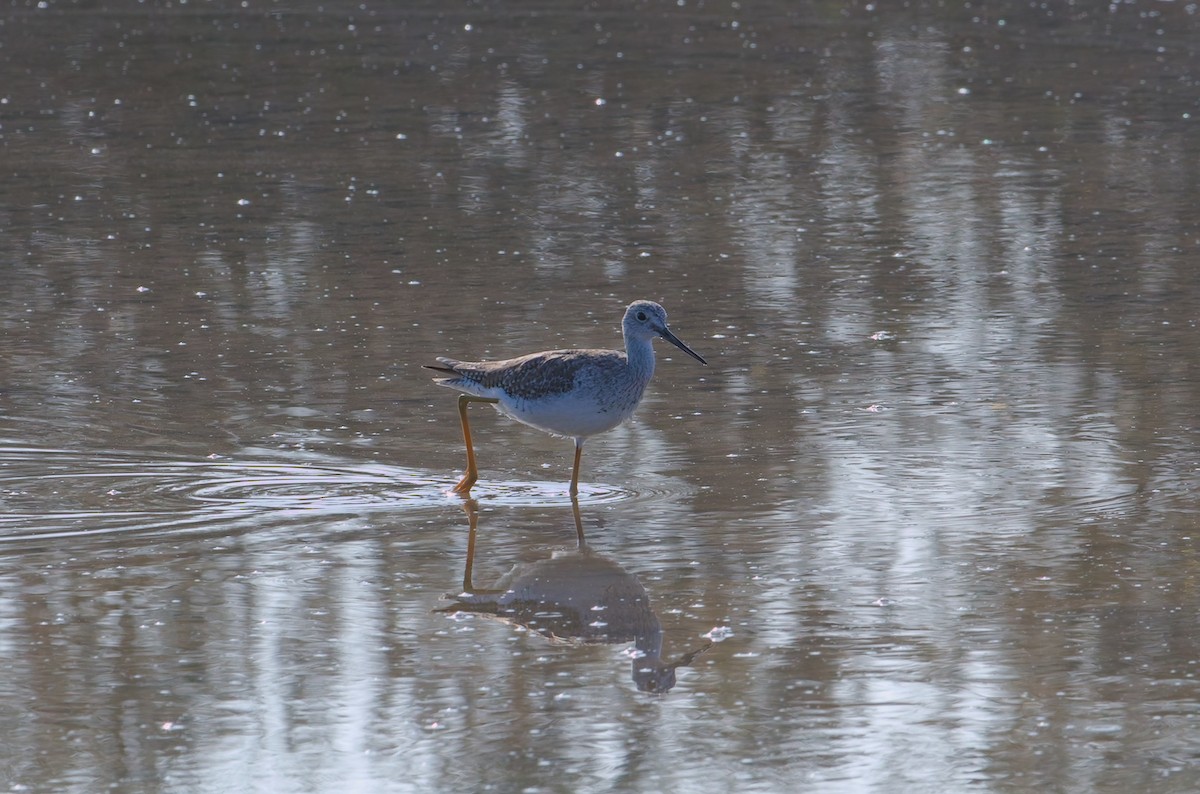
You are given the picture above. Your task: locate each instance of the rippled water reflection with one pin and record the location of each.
(930, 515)
(63, 494)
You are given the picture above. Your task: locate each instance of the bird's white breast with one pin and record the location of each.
(570, 414)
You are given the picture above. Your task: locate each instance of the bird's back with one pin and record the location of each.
(532, 377)
(576, 393)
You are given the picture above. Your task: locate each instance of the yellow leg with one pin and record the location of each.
(472, 474)
(575, 471)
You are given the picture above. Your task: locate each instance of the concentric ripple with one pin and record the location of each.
(55, 493)
(46, 493)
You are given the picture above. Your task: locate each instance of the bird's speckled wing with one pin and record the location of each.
(528, 377)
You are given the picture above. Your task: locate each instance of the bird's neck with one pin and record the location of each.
(640, 355)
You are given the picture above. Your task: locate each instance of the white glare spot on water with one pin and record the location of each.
(718, 633)
(601, 101)
(243, 202)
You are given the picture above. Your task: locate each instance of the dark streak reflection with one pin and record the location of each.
(575, 596)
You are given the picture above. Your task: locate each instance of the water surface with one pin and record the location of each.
(930, 513)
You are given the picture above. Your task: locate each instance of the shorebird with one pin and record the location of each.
(572, 393)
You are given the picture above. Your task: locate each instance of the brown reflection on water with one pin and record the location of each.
(578, 597)
(940, 482)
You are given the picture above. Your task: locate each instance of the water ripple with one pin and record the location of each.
(55, 493)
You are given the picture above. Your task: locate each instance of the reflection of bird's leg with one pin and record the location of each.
(468, 480)
(472, 508)
(468, 585)
(578, 522)
(575, 471)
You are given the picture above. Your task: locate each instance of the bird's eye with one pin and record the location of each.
(641, 317)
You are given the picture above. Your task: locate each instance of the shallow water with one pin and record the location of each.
(929, 518)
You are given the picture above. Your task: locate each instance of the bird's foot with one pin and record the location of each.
(464, 485)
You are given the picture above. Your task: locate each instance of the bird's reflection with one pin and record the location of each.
(575, 596)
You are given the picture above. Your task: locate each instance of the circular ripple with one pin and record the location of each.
(50, 493)
(515, 493)
(46, 493)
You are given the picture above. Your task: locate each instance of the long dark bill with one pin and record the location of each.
(665, 333)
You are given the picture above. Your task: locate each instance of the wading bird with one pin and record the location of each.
(572, 393)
